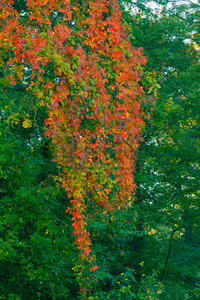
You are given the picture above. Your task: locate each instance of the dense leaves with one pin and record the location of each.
(167, 198)
(68, 69)
(83, 68)
(88, 77)
(36, 245)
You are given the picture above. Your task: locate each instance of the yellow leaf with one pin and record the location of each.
(27, 123)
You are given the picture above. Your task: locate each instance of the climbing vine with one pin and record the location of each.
(79, 63)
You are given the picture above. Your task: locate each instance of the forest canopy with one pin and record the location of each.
(99, 160)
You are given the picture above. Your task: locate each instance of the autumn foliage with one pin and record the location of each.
(80, 64)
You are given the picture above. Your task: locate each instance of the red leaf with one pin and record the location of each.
(94, 268)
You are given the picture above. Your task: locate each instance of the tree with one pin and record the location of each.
(167, 171)
(35, 233)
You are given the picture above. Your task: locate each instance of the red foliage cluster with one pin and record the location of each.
(84, 69)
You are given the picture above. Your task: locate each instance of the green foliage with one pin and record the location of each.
(167, 171)
(36, 254)
(149, 251)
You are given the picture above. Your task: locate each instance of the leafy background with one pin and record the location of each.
(149, 250)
